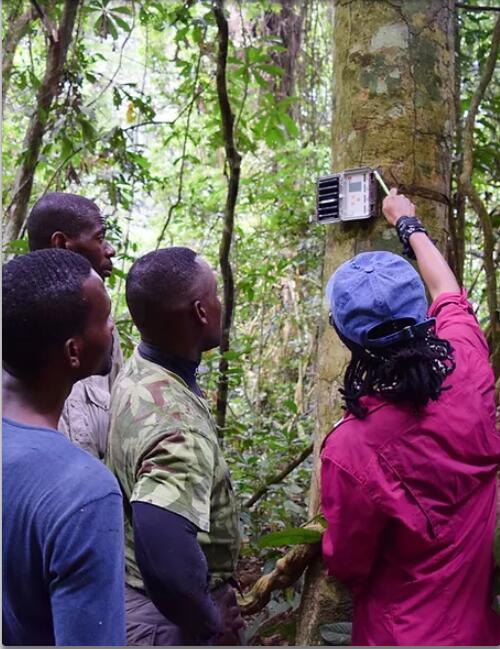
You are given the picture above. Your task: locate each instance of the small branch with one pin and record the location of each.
(61, 166)
(475, 280)
(459, 5)
(247, 81)
(150, 122)
(170, 122)
(48, 26)
(120, 58)
(178, 200)
(278, 477)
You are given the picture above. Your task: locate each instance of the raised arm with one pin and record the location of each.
(435, 272)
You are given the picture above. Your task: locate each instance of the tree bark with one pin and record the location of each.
(233, 160)
(17, 27)
(392, 107)
(48, 91)
(457, 220)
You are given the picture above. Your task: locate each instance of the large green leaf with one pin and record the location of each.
(290, 536)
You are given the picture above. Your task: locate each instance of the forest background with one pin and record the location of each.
(138, 106)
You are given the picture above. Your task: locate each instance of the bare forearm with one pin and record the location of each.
(433, 267)
(435, 272)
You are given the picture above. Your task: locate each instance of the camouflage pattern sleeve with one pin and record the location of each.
(177, 475)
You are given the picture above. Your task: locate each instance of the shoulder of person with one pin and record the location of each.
(145, 388)
(355, 444)
(93, 389)
(89, 475)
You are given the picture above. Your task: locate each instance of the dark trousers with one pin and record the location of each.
(147, 627)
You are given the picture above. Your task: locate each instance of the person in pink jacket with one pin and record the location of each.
(408, 478)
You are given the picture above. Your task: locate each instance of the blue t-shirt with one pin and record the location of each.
(62, 528)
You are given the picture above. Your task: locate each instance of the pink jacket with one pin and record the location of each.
(410, 504)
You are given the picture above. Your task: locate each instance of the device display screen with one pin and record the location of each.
(355, 187)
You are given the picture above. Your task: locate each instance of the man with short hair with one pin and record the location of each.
(70, 222)
(164, 450)
(62, 521)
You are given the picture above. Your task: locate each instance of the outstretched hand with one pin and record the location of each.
(397, 205)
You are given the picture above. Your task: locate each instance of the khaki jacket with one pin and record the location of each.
(85, 416)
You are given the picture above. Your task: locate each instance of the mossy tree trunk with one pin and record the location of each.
(59, 39)
(393, 107)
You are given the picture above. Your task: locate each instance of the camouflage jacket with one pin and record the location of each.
(163, 448)
(85, 416)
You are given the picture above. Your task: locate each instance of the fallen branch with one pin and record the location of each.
(287, 571)
(278, 477)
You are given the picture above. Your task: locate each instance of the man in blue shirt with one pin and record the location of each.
(62, 509)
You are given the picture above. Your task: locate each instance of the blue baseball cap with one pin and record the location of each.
(373, 289)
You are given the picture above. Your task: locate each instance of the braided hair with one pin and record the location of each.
(405, 372)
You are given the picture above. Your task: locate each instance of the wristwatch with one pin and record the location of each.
(405, 227)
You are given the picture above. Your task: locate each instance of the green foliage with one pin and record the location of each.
(289, 536)
(16, 247)
(475, 29)
(137, 128)
(109, 18)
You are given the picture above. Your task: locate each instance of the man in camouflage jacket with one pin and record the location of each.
(164, 450)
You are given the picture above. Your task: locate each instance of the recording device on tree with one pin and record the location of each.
(349, 195)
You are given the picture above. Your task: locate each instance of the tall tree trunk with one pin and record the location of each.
(233, 159)
(59, 41)
(17, 25)
(393, 108)
(287, 26)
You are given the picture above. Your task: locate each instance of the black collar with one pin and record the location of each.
(180, 366)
